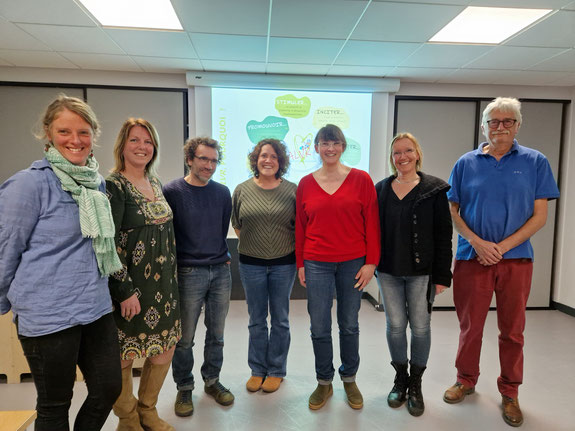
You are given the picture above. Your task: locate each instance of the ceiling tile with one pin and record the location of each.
(5, 63)
(528, 4)
(511, 57)
(12, 37)
(469, 76)
(248, 17)
(404, 22)
(167, 65)
(337, 70)
(415, 74)
(564, 62)
(55, 12)
(234, 66)
(445, 55)
(73, 39)
(229, 47)
(450, 2)
(302, 18)
(153, 43)
(558, 30)
(298, 69)
(36, 59)
(292, 50)
(102, 61)
(375, 53)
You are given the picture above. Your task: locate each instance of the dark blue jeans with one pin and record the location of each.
(268, 287)
(211, 286)
(52, 359)
(322, 280)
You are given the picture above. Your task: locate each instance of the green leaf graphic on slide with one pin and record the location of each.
(270, 127)
(292, 107)
(352, 154)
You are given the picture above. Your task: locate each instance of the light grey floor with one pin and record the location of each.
(546, 396)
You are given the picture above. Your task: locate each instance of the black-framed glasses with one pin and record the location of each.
(507, 123)
(207, 160)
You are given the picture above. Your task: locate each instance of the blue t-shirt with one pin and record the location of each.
(201, 221)
(49, 275)
(496, 198)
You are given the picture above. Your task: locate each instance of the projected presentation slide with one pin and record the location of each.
(241, 118)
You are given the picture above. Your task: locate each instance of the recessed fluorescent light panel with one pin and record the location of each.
(488, 25)
(153, 14)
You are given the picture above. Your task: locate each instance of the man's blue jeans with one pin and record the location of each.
(268, 286)
(208, 286)
(405, 300)
(322, 280)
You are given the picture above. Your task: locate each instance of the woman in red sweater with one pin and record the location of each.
(337, 249)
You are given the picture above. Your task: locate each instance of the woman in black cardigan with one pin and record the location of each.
(415, 263)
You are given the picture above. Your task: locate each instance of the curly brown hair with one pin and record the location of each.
(279, 148)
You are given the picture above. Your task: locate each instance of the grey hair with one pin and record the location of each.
(503, 104)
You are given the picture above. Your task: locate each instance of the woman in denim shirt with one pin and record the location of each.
(56, 251)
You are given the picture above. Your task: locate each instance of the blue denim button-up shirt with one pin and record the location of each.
(49, 276)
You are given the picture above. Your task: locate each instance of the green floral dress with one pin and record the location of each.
(146, 245)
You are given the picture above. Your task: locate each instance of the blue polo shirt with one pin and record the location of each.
(496, 198)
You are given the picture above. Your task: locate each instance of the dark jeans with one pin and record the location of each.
(323, 279)
(209, 286)
(52, 359)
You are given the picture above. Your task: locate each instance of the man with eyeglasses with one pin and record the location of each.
(498, 200)
(202, 209)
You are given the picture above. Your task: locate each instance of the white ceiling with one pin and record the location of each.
(311, 37)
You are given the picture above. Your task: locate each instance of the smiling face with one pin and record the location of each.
(268, 164)
(405, 157)
(139, 148)
(329, 151)
(203, 165)
(501, 136)
(71, 135)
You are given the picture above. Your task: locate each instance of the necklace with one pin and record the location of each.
(407, 182)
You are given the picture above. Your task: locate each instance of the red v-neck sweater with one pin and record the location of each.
(338, 227)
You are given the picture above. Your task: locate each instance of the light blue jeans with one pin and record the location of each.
(323, 279)
(211, 286)
(405, 300)
(268, 287)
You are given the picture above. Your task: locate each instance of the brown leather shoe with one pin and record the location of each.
(254, 383)
(457, 393)
(271, 384)
(511, 411)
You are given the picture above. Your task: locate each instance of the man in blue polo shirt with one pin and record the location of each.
(498, 200)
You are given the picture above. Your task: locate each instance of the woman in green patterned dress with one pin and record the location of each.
(145, 291)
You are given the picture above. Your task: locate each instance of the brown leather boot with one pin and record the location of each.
(150, 384)
(457, 393)
(511, 411)
(125, 405)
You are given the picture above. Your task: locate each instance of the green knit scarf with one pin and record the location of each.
(96, 221)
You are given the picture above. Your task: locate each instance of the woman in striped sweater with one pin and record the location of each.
(263, 217)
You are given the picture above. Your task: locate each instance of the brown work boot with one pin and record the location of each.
(457, 393)
(354, 397)
(271, 384)
(254, 383)
(511, 411)
(320, 396)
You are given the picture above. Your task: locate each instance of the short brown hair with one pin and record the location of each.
(72, 104)
(279, 148)
(192, 145)
(119, 163)
(330, 132)
(413, 139)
